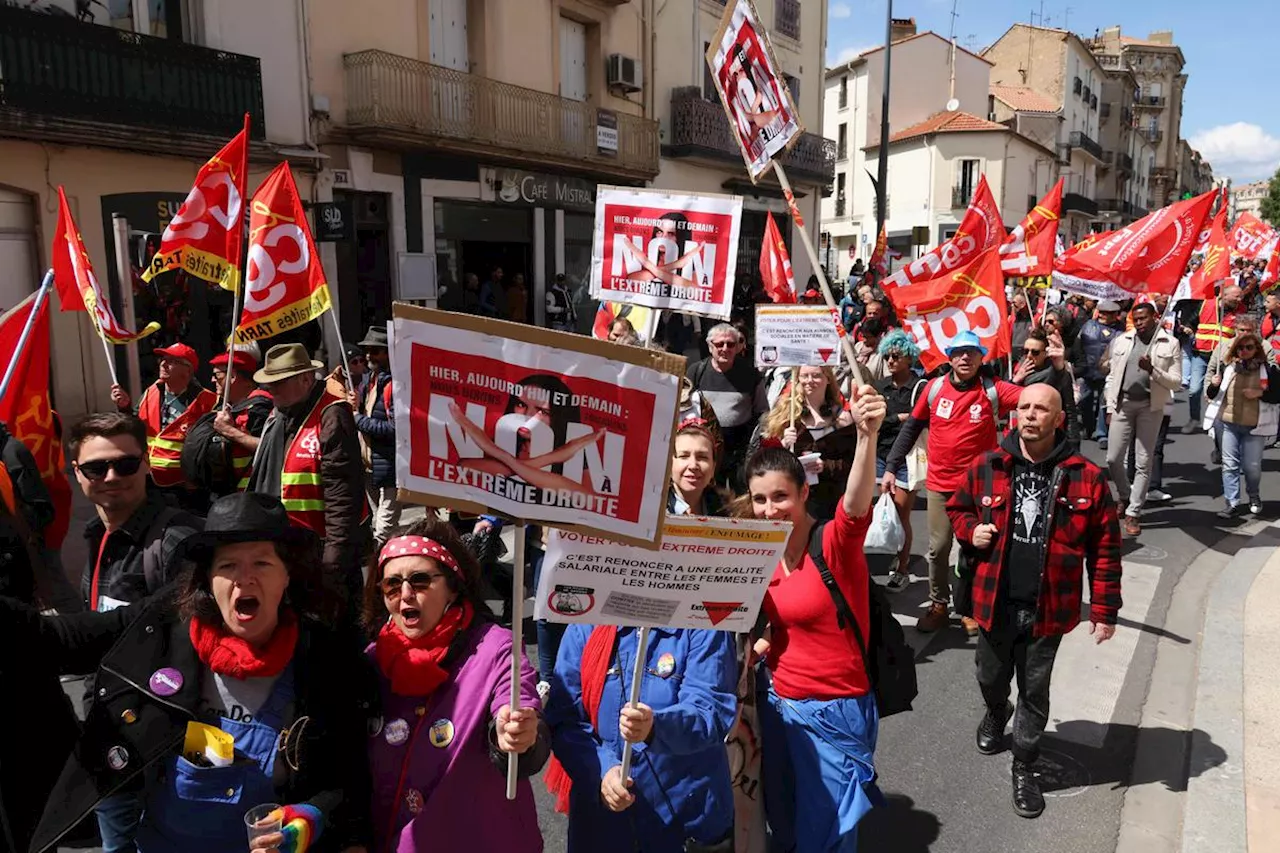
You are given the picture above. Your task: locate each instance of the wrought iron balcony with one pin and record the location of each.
(1086, 143)
(64, 80)
(1153, 135)
(1150, 102)
(407, 104)
(1079, 204)
(1124, 162)
(699, 128)
(787, 18)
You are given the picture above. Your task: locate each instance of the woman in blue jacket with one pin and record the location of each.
(679, 796)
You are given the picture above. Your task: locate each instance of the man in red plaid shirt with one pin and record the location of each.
(1032, 516)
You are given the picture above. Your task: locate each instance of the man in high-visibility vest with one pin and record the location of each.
(244, 417)
(309, 457)
(1217, 324)
(170, 407)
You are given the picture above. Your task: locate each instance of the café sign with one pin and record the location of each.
(518, 187)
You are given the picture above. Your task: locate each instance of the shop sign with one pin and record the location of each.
(607, 133)
(518, 187)
(332, 221)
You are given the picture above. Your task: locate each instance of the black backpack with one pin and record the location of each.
(891, 664)
(206, 457)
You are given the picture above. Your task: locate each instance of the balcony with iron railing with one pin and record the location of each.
(406, 104)
(1086, 143)
(62, 80)
(1076, 203)
(1150, 102)
(700, 128)
(1153, 135)
(961, 196)
(787, 18)
(1124, 162)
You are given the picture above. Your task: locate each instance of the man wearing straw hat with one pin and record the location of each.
(373, 413)
(309, 457)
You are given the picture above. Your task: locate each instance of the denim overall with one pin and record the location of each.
(201, 809)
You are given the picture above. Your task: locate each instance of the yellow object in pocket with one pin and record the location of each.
(211, 742)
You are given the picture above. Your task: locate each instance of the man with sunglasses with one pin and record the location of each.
(732, 386)
(132, 545)
(1043, 363)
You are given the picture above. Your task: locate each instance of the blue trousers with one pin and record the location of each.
(118, 820)
(1195, 391)
(1241, 454)
(819, 771)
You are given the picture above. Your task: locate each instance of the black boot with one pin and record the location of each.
(991, 730)
(1027, 799)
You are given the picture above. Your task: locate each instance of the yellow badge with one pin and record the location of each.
(441, 733)
(666, 665)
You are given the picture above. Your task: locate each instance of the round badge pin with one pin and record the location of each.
(165, 682)
(666, 665)
(441, 733)
(117, 758)
(986, 500)
(396, 732)
(413, 801)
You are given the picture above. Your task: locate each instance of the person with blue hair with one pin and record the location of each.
(900, 388)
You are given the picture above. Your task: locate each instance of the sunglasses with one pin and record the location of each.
(894, 356)
(1033, 352)
(418, 582)
(723, 344)
(1246, 348)
(97, 469)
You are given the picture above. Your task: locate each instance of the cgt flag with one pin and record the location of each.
(78, 288)
(1217, 258)
(1148, 256)
(206, 236)
(28, 412)
(284, 282)
(775, 265)
(880, 255)
(970, 299)
(1029, 248)
(981, 229)
(1250, 237)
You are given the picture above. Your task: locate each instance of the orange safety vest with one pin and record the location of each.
(164, 446)
(242, 457)
(1213, 329)
(301, 489)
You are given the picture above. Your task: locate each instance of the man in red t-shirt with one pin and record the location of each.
(961, 411)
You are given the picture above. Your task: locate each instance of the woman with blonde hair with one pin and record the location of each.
(1246, 421)
(805, 414)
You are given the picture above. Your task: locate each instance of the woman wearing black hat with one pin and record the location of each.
(232, 647)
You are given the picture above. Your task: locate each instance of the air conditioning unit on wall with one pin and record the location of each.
(623, 72)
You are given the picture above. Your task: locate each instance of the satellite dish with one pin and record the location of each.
(953, 105)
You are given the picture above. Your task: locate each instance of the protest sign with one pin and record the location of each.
(666, 250)
(708, 573)
(761, 113)
(796, 336)
(542, 426)
(1091, 288)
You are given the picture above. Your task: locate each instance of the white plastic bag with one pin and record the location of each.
(885, 535)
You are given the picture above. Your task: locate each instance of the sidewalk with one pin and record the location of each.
(1262, 710)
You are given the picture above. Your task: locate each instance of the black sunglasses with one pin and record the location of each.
(96, 469)
(418, 581)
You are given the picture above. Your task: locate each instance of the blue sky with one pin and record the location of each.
(1226, 44)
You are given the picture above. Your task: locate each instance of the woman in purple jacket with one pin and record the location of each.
(438, 753)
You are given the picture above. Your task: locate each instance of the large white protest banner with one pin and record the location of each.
(708, 573)
(536, 425)
(796, 336)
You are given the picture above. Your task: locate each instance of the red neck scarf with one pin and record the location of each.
(414, 665)
(233, 657)
(596, 654)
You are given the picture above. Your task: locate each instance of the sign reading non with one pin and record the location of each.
(796, 336)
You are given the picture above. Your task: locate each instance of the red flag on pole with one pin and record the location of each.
(206, 236)
(284, 282)
(1148, 256)
(880, 255)
(1249, 237)
(27, 411)
(980, 230)
(78, 288)
(1029, 248)
(1217, 258)
(970, 299)
(775, 265)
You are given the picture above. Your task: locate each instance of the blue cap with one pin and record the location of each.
(966, 340)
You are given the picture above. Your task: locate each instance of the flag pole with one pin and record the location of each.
(342, 352)
(859, 372)
(41, 295)
(795, 389)
(637, 678)
(111, 357)
(237, 295)
(517, 646)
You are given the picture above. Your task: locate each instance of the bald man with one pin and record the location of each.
(1031, 516)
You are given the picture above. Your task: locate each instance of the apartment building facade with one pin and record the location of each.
(1124, 181)
(1247, 198)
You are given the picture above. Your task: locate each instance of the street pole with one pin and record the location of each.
(882, 168)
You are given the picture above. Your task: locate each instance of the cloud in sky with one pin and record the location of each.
(840, 10)
(1240, 150)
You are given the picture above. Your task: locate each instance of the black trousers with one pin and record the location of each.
(1007, 650)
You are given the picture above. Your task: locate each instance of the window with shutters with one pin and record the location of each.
(448, 34)
(842, 142)
(844, 92)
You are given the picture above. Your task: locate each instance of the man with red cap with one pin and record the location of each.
(244, 413)
(169, 408)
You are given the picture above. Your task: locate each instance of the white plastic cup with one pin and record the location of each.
(810, 463)
(261, 820)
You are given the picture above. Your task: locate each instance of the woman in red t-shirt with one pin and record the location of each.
(819, 716)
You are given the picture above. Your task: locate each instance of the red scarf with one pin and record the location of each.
(414, 665)
(233, 657)
(594, 667)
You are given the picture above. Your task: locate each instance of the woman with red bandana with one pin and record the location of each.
(214, 698)
(438, 752)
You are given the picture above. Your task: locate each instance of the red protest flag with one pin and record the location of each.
(1250, 237)
(880, 255)
(980, 230)
(1148, 256)
(206, 236)
(970, 299)
(1029, 248)
(1271, 274)
(27, 411)
(284, 282)
(775, 265)
(1217, 258)
(78, 287)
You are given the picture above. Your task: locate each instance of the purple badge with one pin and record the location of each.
(166, 682)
